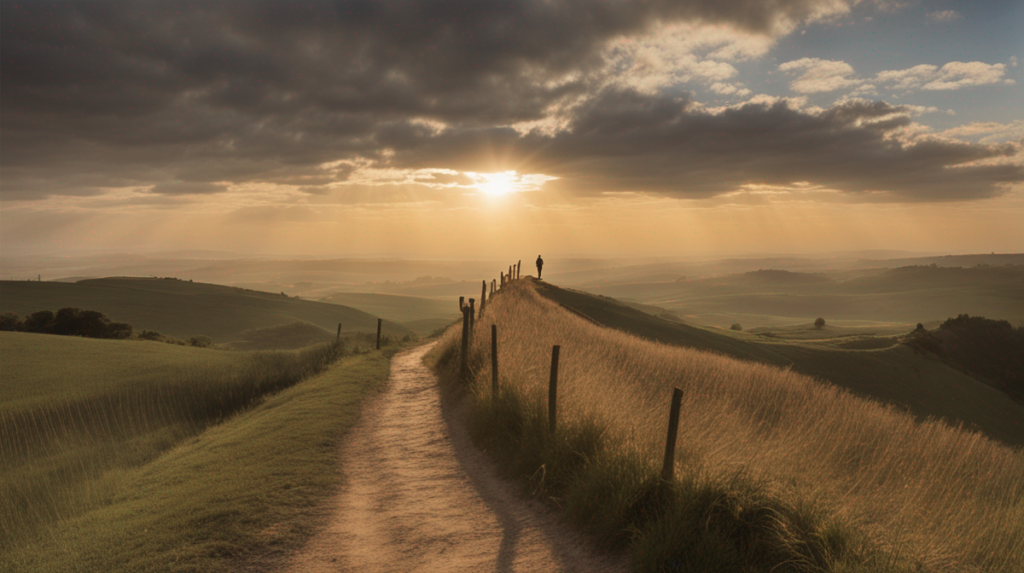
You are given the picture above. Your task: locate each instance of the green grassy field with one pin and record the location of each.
(893, 374)
(183, 309)
(397, 308)
(774, 471)
(872, 297)
(143, 456)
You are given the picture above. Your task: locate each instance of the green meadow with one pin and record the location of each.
(419, 314)
(122, 455)
(871, 298)
(183, 309)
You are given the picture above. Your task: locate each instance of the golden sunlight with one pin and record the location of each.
(496, 184)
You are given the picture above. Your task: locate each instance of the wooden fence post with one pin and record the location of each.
(510, 272)
(519, 266)
(483, 296)
(379, 321)
(464, 357)
(553, 390)
(472, 314)
(462, 303)
(502, 279)
(337, 339)
(494, 361)
(668, 469)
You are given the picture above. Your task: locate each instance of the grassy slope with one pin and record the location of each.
(39, 366)
(898, 375)
(910, 295)
(774, 472)
(183, 309)
(241, 490)
(397, 308)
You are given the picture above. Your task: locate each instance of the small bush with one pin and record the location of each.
(736, 326)
(9, 322)
(150, 335)
(200, 341)
(819, 323)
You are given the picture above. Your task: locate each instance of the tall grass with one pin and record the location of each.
(776, 471)
(63, 456)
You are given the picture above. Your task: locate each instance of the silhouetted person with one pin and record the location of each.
(540, 265)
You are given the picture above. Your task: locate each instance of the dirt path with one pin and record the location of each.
(417, 496)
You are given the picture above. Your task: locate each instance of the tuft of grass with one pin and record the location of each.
(775, 471)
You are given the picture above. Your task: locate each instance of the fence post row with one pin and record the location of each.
(553, 390)
(494, 361)
(464, 362)
(668, 469)
(379, 321)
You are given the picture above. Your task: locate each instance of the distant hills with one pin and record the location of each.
(894, 374)
(182, 308)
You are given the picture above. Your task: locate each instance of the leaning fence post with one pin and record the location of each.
(464, 362)
(519, 265)
(553, 390)
(670, 443)
(483, 296)
(379, 321)
(494, 361)
(472, 314)
(338, 338)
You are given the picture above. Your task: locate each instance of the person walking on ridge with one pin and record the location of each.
(540, 265)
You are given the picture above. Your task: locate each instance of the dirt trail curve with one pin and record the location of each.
(417, 496)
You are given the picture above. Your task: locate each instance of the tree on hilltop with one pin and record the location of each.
(819, 323)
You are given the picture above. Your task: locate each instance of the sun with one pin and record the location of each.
(497, 184)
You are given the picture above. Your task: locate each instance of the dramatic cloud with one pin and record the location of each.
(623, 140)
(188, 100)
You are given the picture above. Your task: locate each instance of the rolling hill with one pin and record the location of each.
(183, 308)
(915, 381)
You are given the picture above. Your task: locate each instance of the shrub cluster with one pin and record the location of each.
(68, 322)
(991, 349)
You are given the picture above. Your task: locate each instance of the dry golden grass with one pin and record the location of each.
(928, 495)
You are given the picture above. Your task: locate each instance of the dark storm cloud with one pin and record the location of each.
(625, 141)
(139, 93)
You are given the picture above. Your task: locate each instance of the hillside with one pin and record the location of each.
(183, 309)
(126, 456)
(419, 314)
(916, 381)
(771, 298)
(772, 470)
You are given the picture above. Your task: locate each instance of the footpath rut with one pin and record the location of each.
(417, 496)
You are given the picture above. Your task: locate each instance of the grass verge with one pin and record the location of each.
(241, 490)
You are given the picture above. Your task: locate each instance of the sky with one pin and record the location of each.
(469, 129)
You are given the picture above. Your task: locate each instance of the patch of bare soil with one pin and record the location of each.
(417, 496)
